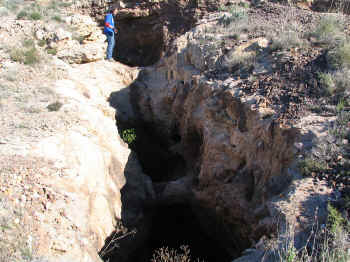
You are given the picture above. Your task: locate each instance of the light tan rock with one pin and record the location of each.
(95, 161)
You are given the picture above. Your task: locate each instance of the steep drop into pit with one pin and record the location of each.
(171, 223)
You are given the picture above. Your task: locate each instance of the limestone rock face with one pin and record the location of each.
(88, 45)
(101, 179)
(241, 157)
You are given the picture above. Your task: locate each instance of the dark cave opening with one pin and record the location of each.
(139, 42)
(157, 160)
(174, 226)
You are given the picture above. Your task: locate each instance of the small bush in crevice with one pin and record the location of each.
(129, 135)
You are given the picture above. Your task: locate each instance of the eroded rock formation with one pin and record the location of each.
(239, 158)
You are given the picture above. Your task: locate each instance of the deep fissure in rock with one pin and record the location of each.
(170, 225)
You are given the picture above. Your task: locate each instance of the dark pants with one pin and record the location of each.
(110, 47)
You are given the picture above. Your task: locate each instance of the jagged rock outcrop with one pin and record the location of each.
(240, 158)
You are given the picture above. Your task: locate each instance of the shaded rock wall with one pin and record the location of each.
(238, 158)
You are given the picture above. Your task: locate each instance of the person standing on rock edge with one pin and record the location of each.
(109, 31)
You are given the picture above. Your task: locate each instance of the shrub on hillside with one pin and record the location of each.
(326, 243)
(335, 83)
(329, 31)
(28, 57)
(327, 83)
(22, 15)
(339, 57)
(285, 40)
(35, 16)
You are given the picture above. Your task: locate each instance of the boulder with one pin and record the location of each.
(72, 52)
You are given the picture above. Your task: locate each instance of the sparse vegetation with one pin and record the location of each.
(27, 55)
(31, 56)
(329, 31)
(326, 243)
(327, 83)
(339, 57)
(166, 254)
(308, 166)
(285, 39)
(236, 13)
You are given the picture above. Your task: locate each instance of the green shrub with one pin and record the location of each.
(22, 15)
(341, 105)
(129, 135)
(327, 83)
(339, 57)
(57, 18)
(236, 14)
(335, 219)
(329, 31)
(52, 51)
(31, 56)
(340, 127)
(28, 42)
(285, 40)
(35, 16)
(42, 43)
(308, 166)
